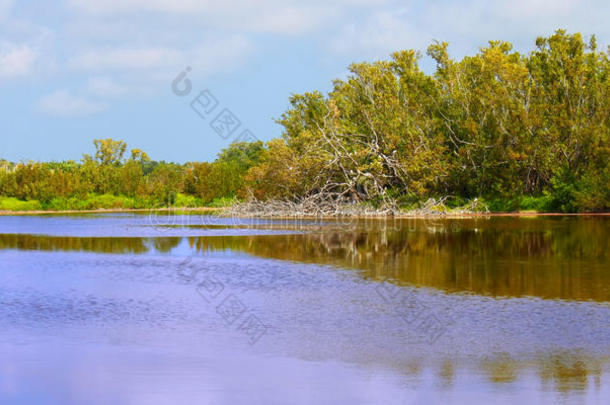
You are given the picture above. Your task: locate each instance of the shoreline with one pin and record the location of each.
(385, 216)
(104, 210)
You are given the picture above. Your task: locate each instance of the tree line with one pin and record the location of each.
(520, 131)
(109, 179)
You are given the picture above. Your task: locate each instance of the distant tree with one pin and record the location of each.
(109, 152)
(139, 156)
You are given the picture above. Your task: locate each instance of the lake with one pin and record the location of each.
(169, 309)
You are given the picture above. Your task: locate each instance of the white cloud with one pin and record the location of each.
(105, 87)
(113, 7)
(16, 60)
(271, 16)
(210, 56)
(126, 6)
(537, 8)
(380, 34)
(5, 8)
(288, 20)
(216, 55)
(203, 6)
(64, 104)
(124, 59)
(467, 25)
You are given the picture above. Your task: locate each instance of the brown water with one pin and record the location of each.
(187, 309)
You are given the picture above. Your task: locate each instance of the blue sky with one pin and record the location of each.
(75, 70)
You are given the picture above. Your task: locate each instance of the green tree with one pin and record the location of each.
(109, 152)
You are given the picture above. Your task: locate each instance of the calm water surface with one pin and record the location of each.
(133, 309)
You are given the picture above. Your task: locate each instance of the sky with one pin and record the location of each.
(181, 79)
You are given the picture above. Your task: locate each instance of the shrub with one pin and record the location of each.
(13, 204)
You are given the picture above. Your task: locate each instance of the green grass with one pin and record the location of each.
(187, 201)
(539, 204)
(13, 204)
(222, 202)
(521, 203)
(91, 202)
(108, 201)
(542, 203)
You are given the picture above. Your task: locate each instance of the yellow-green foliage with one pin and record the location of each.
(498, 124)
(13, 204)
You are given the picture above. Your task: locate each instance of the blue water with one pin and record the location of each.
(117, 309)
